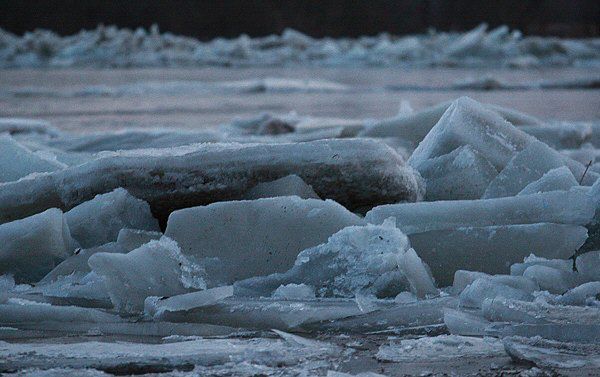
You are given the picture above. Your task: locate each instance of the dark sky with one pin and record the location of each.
(230, 18)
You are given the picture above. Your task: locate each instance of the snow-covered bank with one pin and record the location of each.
(113, 47)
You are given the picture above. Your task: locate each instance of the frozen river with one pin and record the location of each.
(85, 100)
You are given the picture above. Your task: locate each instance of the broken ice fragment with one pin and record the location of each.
(588, 265)
(258, 237)
(481, 289)
(552, 354)
(131, 239)
(16, 161)
(99, 220)
(584, 294)
(352, 260)
(551, 279)
(417, 274)
(518, 269)
(559, 179)
(464, 278)
(294, 292)
(155, 269)
(33, 246)
(156, 306)
(287, 186)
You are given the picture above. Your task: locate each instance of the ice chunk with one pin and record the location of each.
(157, 306)
(588, 265)
(294, 292)
(417, 274)
(572, 207)
(493, 249)
(156, 269)
(588, 293)
(7, 283)
(352, 260)
(525, 167)
(460, 174)
(258, 237)
(286, 186)
(518, 269)
(439, 348)
(35, 245)
(16, 161)
(467, 122)
(79, 288)
(559, 179)
(99, 220)
(551, 354)
(560, 136)
(355, 173)
(460, 322)
(551, 279)
(78, 262)
(131, 239)
(475, 293)
(464, 278)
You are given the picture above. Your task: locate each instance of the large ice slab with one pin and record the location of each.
(99, 220)
(363, 259)
(355, 173)
(155, 269)
(256, 237)
(33, 246)
(16, 161)
(572, 207)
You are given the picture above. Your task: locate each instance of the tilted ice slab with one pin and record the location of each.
(367, 259)
(33, 246)
(572, 207)
(559, 179)
(16, 161)
(99, 220)
(255, 237)
(551, 354)
(286, 186)
(155, 269)
(355, 173)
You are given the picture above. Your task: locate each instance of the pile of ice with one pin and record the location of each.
(114, 47)
(488, 232)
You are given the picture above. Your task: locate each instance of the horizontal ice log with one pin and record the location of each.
(357, 258)
(559, 179)
(33, 246)
(483, 288)
(256, 237)
(461, 322)
(552, 354)
(355, 173)
(131, 239)
(464, 278)
(155, 269)
(506, 310)
(15, 313)
(99, 220)
(525, 167)
(22, 126)
(287, 186)
(551, 279)
(461, 174)
(16, 161)
(573, 207)
(518, 269)
(584, 294)
(493, 249)
(588, 265)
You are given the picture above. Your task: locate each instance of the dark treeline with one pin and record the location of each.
(208, 19)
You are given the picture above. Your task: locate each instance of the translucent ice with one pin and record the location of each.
(588, 293)
(418, 274)
(533, 260)
(156, 306)
(559, 179)
(131, 239)
(16, 161)
(33, 246)
(155, 269)
(552, 354)
(354, 259)
(258, 237)
(464, 278)
(99, 220)
(551, 279)
(475, 293)
(286, 186)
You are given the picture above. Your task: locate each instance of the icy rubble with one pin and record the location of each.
(354, 172)
(114, 47)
